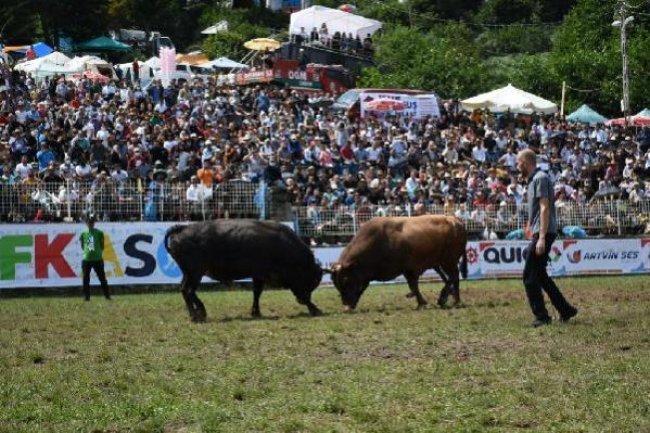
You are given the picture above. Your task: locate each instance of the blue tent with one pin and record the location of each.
(40, 49)
(585, 114)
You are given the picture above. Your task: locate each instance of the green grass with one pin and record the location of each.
(138, 364)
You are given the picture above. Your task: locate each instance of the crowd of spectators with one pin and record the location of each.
(346, 42)
(75, 136)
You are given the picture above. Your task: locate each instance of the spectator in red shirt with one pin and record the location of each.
(30, 54)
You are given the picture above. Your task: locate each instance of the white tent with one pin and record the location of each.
(39, 65)
(153, 63)
(336, 20)
(511, 99)
(223, 62)
(90, 64)
(146, 72)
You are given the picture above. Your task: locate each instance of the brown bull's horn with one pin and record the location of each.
(334, 268)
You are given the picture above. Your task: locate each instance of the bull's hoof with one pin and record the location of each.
(422, 306)
(315, 312)
(256, 314)
(198, 319)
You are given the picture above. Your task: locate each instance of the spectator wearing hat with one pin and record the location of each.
(18, 144)
(206, 174)
(92, 244)
(51, 175)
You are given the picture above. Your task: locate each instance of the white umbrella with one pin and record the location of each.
(511, 99)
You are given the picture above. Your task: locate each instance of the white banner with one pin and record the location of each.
(419, 106)
(49, 255)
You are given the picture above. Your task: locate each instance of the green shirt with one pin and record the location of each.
(92, 242)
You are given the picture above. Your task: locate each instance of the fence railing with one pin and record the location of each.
(169, 201)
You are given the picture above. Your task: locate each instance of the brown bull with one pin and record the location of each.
(387, 247)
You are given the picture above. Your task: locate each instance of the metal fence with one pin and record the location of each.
(168, 201)
(603, 218)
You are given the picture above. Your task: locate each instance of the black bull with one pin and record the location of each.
(228, 250)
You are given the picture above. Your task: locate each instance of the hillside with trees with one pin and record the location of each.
(454, 47)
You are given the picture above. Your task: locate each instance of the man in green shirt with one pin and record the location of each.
(92, 243)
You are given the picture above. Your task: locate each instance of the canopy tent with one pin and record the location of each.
(103, 44)
(585, 114)
(192, 58)
(146, 71)
(643, 113)
(511, 99)
(336, 21)
(153, 62)
(38, 66)
(40, 49)
(224, 62)
(637, 121)
(221, 26)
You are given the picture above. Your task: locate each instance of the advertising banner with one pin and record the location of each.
(49, 255)
(418, 106)
(254, 77)
(167, 64)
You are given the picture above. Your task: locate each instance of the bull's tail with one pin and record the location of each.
(463, 263)
(463, 241)
(172, 231)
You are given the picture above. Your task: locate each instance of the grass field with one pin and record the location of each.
(138, 364)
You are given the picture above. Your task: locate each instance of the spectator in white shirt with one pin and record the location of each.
(23, 168)
(479, 152)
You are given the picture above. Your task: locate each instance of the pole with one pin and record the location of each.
(562, 103)
(626, 90)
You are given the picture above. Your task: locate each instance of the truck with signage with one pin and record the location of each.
(332, 79)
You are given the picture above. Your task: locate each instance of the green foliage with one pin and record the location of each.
(17, 25)
(241, 29)
(514, 40)
(506, 11)
(448, 64)
(587, 26)
(56, 18)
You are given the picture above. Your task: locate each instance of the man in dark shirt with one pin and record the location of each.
(542, 231)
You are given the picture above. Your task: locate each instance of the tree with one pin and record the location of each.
(449, 65)
(506, 11)
(71, 18)
(240, 29)
(18, 22)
